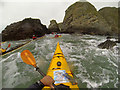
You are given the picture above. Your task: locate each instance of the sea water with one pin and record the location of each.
(92, 67)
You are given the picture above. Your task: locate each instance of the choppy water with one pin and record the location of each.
(93, 67)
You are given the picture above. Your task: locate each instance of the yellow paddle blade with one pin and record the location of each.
(28, 58)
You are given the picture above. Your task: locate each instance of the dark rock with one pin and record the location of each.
(60, 25)
(0, 37)
(62, 28)
(110, 14)
(53, 27)
(118, 41)
(107, 44)
(108, 38)
(24, 30)
(82, 17)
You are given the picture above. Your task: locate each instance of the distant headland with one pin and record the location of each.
(80, 17)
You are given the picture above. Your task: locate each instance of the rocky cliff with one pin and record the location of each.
(82, 17)
(110, 14)
(24, 29)
(53, 27)
(0, 37)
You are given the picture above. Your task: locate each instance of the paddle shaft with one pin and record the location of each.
(43, 74)
(29, 59)
(8, 46)
(38, 69)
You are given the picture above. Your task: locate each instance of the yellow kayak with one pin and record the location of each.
(60, 35)
(60, 71)
(2, 50)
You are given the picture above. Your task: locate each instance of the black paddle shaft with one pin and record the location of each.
(43, 74)
(38, 69)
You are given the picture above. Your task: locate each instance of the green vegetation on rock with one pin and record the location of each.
(82, 17)
(53, 27)
(110, 14)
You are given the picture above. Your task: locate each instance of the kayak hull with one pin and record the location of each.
(58, 68)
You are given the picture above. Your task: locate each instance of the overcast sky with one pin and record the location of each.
(16, 10)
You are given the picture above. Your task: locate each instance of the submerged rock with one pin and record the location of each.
(107, 44)
(24, 29)
(118, 41)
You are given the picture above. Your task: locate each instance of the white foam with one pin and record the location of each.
(116, 83)
(18, 55)
(77, 49)
(11, 68)
(73, 59)
(114, 64)
(8, 57)
(78, 56)
(16, 74)
(92, 84)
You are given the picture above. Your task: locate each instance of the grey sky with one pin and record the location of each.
(16, 10)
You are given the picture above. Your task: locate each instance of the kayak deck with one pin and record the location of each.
(59, 68)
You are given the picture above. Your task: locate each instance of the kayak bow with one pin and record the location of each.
(60, 71)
